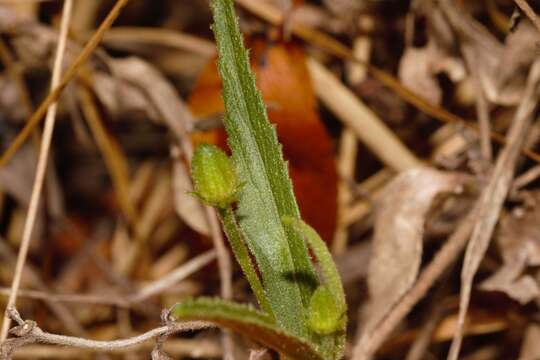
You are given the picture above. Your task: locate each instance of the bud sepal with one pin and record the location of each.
(214, 176)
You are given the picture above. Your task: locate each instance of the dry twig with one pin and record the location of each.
(526, 8)
(482, 107)
(28, 332)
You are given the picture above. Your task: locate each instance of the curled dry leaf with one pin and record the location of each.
(419, 67)
(416, 74)
(399, 228)
(518, 240)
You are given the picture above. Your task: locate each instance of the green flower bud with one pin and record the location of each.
(325, 317)
(214, 176)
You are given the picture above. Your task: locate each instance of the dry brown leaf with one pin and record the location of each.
(419, 67)
(398, 233)
(119, 97)
(519, 243)
(160, 92)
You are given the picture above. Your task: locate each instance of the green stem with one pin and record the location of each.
(241, 253)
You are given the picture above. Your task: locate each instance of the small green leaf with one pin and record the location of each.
(331, 275)
(325, 317)
(247, 321)
(214, 176)
(332, 345)
(266, 194)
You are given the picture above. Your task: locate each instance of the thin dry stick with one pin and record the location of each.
(526, 178)
(421, 343)
(85, 12)
(482, 109)
(368, 344)
(346, 165)
(163, 37)
(41, 168)
(196, 348)
(493, 197)
(37, 116)
(68, 298)
(174, 276)
(526, 8)
(152, 289)
(360, 119)
(29, 333)
(348, 149)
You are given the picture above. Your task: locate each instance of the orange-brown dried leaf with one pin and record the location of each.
(284, 81)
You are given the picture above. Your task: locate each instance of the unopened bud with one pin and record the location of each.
(325, 317)
(214, 176)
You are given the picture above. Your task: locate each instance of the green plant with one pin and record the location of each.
(302, 316)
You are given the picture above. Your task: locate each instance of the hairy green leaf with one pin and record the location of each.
(247, 321)
(331, 345)
(266, 195)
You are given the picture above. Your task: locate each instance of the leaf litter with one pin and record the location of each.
(394, 226)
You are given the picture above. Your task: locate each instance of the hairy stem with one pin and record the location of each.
(241, 254)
